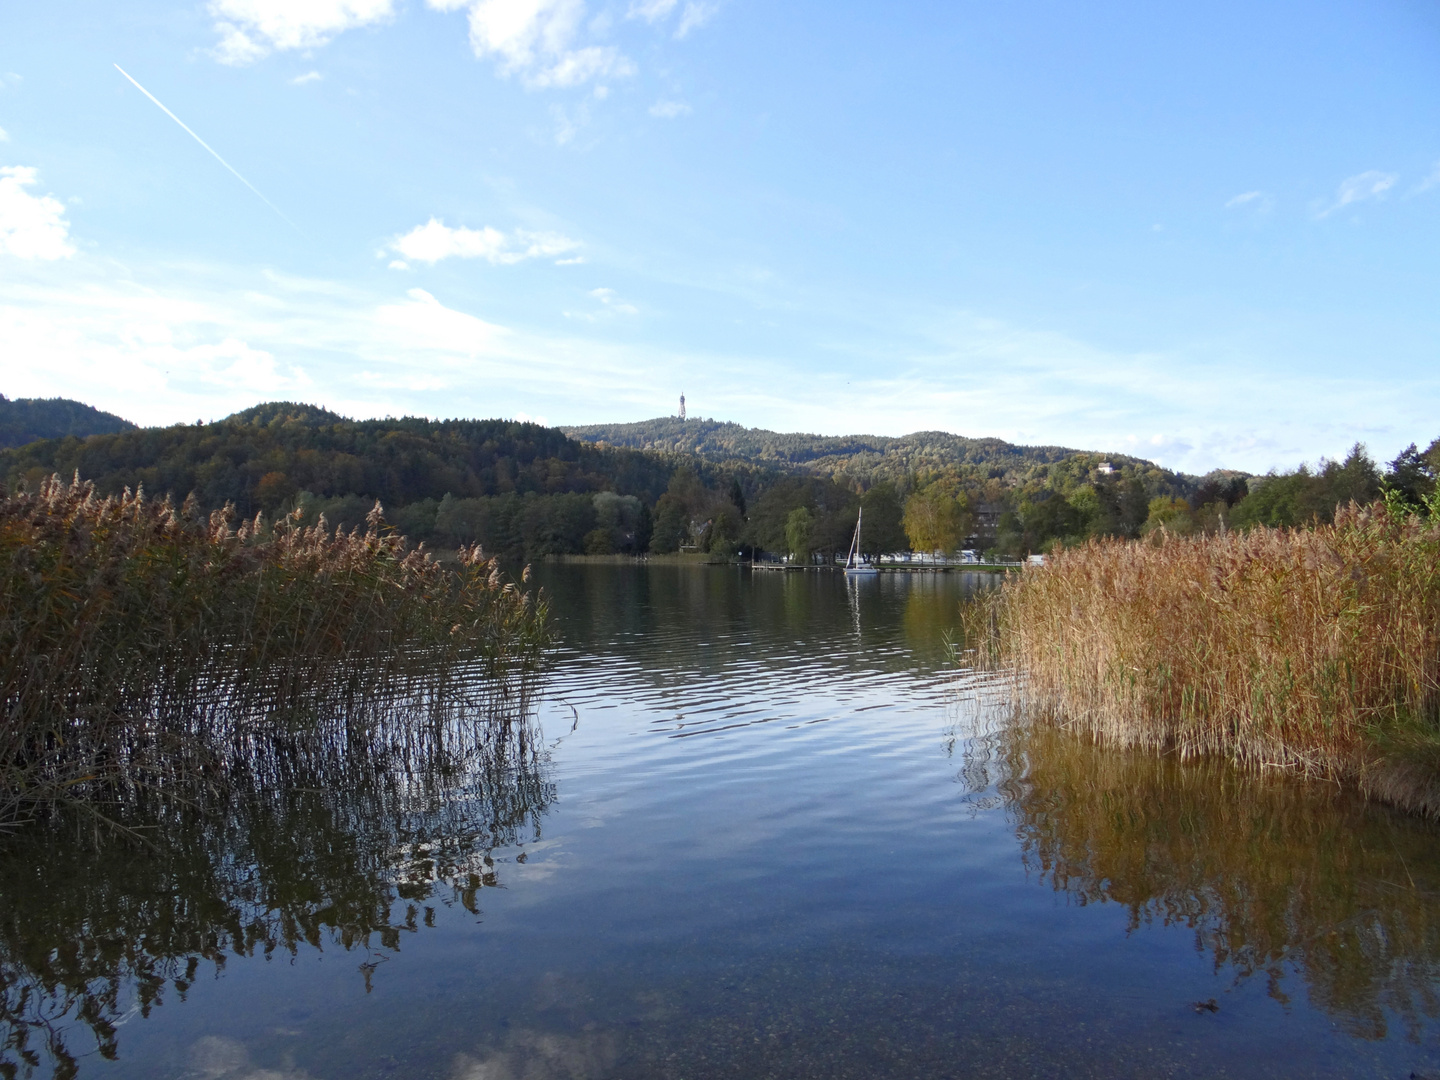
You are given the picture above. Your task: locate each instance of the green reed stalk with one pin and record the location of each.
(1313, 650)
(138, 640)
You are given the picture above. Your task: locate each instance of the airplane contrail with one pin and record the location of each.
(207, 146)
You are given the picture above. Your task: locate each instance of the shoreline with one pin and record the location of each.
(695, 558)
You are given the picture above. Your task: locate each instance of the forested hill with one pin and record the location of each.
(264, 457)
(27, 419)
(864, 458)
(528, 491)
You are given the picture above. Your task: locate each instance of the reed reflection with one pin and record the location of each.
(347, 840)
(1277, 878)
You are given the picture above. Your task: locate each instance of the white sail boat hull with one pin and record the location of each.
(853, 566)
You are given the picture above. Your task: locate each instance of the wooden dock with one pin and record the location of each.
(892, 568)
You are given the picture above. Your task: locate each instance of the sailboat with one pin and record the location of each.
(853, 566)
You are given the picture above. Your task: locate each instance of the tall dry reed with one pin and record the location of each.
(139, 640)
(1313, 650)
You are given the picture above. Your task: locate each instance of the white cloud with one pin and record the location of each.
(611, 300)
(206, 343)
(650, 10)
(429, 324)
(530, 1052)
(1433, 180)
(173, 343)
(568, 122)
(31, 227)
(669, 109)
(581, 65)
(1258, 201)
(154, 357)
(4, 135)
(536, 39)
(215, 1057)
(433, 241)
(1367, 185)
(250, 29)
(696, 15)
(308, 77)
(234, 365)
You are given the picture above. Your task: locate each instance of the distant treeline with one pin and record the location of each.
(262, 459)
(26, 419)
(1303, 497)
(1068, 503)
(525, 491)
(933, 491)
(804, 515)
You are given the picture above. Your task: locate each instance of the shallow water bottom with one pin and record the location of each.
(781, 838)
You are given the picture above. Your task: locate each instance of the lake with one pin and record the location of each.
(754, 824)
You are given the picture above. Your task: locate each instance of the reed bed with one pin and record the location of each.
(144, 645)
(1310, 650)
(347, 844)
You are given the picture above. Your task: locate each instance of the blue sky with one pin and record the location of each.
(1205, 235)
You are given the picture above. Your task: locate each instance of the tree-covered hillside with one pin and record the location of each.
(262, 458)
(526, 491)
(867, 459)
(26, 419)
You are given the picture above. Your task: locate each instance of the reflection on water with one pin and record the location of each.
(782, 835)
(347, 843)
(1274, 876)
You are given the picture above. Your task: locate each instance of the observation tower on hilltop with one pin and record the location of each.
(682, 406)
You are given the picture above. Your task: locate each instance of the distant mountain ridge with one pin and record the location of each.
(863, 457)
(25, 420)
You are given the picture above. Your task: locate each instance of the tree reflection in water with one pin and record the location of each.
(1276, 876)
(308, 842)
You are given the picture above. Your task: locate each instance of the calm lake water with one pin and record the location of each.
(756, 826)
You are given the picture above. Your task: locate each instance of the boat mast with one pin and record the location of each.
(850, 559)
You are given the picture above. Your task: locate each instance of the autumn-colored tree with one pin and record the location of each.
(936, 519)
(273, 491)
